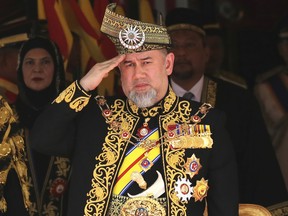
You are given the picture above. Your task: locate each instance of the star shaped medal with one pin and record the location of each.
(192, 166)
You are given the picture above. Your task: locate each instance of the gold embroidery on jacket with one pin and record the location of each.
(209, 92)
(61, 167)
(67, 95)
(175, 157)
(79, 103)
(12, 155)
(106, 165)
(114, 146)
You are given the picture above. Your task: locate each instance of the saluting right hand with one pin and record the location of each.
(99, 71)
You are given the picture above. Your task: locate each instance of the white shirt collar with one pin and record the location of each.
(196, 89)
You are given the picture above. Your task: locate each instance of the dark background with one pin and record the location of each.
(249, 28)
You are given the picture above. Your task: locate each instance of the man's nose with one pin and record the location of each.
(139, 71)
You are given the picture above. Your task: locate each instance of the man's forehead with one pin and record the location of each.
(184, 32)
(141, 55)
(187, 35)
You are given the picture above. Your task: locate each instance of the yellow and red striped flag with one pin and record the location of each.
(58, 29)
(79, 24)
(82, 21)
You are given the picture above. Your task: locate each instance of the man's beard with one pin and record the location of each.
(143, 99)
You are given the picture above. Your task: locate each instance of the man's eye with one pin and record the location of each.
(146, 62)
(128, 64)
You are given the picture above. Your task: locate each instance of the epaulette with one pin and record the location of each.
(231, 78)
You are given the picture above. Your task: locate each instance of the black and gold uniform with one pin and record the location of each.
(193, 159)
(169, 157)
(18, 186)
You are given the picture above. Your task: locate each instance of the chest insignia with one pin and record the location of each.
(184, 189)
(200, 190)
(185, 136)
(192, 166)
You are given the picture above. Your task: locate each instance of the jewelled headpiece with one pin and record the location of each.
(130, 35)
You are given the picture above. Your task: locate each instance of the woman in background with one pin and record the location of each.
(40, 75)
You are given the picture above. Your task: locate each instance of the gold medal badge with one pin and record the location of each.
(184, 136)
(192, 166)
(200, 190)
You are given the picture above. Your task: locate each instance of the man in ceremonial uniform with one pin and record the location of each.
(254, 151)
(149, 153)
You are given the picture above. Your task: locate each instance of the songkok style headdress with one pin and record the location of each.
(185, 19)
(213, 28)
(130, 35)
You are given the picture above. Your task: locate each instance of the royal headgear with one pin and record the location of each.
(185, 19)
(130, 35)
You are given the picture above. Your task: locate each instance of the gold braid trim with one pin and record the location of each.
(61, 166)
(175, 158)
(209, 92)
(19, 158)
(68, 94)
(107, 161)
(12, 155)
(6, 118)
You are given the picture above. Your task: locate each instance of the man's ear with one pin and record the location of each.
(169, 63)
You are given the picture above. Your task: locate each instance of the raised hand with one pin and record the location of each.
(99, 71)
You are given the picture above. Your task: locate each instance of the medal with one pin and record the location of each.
(58, 187)
(195, 119)
(201, 189)
(146, 164)
(184, 189)
(192, 166)
(144, 130)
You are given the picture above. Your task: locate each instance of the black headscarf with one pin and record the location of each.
(30, 103)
